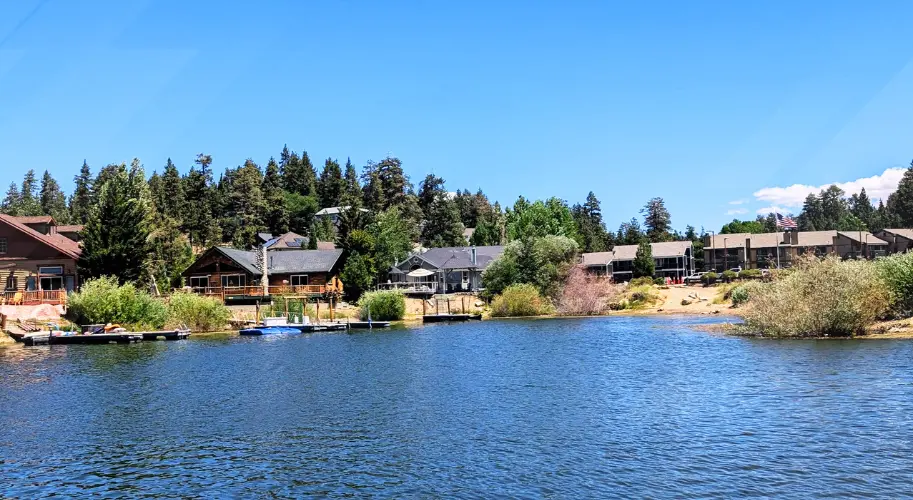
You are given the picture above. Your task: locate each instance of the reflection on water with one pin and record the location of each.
(564, 408)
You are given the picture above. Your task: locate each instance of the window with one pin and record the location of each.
(12, 284)
(234, 280)
(299, 280)
(52, 270)
(3, 246)
(199, 282)
(52, 282)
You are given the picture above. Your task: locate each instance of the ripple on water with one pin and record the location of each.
(571, 408)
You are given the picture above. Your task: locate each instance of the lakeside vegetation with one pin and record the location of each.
(104, 300)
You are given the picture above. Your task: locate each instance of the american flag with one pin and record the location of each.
(786, 222)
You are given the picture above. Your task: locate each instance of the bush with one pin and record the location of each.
(200, 314)
(749, 274)
(585, 294)
(637, 297)
(103, 300)
(896, 272)
(743, 293)
(709, 278)
(385, 305)
(642, 281)
(827, 297)
(519, 300)
(659, 281)
(729, 275)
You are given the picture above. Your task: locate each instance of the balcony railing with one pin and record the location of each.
(257, 291)
(33, 297)
(410, 287)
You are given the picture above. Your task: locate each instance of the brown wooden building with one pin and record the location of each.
(228, 272)
(37, 264)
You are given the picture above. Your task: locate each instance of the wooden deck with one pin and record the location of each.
(34, 298)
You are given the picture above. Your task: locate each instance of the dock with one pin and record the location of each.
(99, 338)
(368, 325)
(450, 318)
(166, 335)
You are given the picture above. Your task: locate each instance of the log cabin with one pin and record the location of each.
(37, 264)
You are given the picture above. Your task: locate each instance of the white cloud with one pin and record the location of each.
(738, 202)
(775, 209)
(736, 211)
(877, 187)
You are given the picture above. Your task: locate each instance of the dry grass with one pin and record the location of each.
(816, 298)
(585, 294)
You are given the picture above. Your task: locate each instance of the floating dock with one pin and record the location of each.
(166, 335)
(368, 325)
(449, 318)
(98, 338)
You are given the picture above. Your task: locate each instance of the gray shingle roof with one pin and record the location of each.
(287, 261)
(597, 259)
(460, 257)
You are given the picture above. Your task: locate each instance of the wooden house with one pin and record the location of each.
(37, 264)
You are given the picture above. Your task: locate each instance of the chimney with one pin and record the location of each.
(473, 256)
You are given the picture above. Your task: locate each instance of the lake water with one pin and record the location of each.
(552, 408)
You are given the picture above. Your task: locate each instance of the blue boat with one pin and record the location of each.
(270, 330)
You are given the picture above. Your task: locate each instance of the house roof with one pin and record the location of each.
(287, 262)
(37, 219)
(70, 228)
(594, 259)
(659, 250)
(335, 210)
(804, 239)
(903, 233)
(58, 242)
(458, 257)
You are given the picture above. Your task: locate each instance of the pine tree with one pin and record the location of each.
(277, 217)
(170, 252)
(373, 196)
(247, 204)
(861, 207)
(811, 217)
(388, 176)
(199, 215)
(330, 186)
(115, 239)
(593, 236)
(443, 227)
(10, 205)
(643, 265)
(900, 203)
(53, 201)
(29, 203)
(353, 187)
(81, 200)
(299, 175)
(428, 191)
(657, 220)
(629, 233)
(172, 202)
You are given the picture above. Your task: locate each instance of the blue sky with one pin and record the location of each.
(721, 108)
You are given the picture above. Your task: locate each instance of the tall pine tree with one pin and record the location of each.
(330, 186)
(277, 215)
(299, 176)
(115, 241)
(81, 200)
(53, 201)
(10, 205)
(29, 202)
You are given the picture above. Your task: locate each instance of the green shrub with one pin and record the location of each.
(385, 305)
(637, 297)
(896, 271)
(102, 300)
(659, 281)
(743, 293)
(729, 275)
(200, 314)
(644, 280)
(709, 278)
(826, 297)
(519, 300)
(749, 274)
